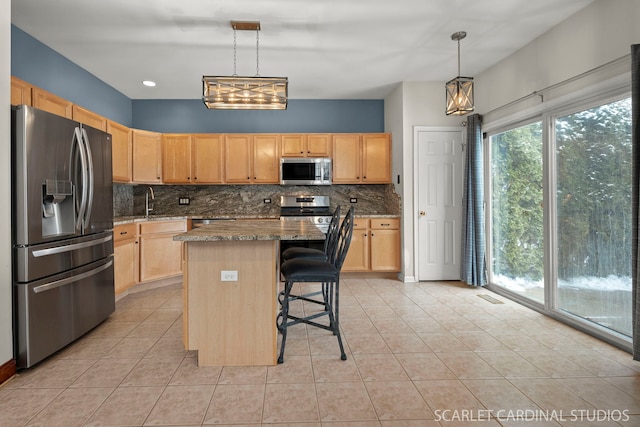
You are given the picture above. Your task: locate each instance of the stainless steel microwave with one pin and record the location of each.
(305, 171)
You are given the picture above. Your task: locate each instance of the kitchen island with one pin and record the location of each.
(231, 277)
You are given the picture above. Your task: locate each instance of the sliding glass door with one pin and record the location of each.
(587, 276)
(517, 251)
(593, 200)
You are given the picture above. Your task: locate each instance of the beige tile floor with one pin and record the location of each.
(427, 354)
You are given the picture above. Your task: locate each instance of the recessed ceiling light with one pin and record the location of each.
(148, 83)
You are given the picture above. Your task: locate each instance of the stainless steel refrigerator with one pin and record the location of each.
(62, 231)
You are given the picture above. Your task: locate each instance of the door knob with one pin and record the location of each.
(422, 213)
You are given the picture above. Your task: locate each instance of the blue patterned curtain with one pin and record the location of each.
(474, 267)
(635, 195)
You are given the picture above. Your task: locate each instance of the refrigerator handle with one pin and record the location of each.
(83, 166)
(87, 215)
(72, 247)
(62, 282)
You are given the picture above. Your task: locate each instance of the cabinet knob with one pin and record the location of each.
(422, 213)
(122, 233)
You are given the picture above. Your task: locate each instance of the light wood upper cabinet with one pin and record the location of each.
(266, 159)
(176, 158)
(376, 158)
(346, 158)
(207, 163)
(52, 103)
(20, 92)
(147, 156)
(120, 151)
(361, 158)
(305, 145)
(238, 153)
(251, 158)
(88, 118)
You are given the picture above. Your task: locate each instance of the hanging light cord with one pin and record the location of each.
(458, 57)
(257, 53)
(234, 53)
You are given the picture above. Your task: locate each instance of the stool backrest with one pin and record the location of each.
(332, 233)
(343, 240)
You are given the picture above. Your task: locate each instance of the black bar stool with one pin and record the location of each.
(327, 274)
(329, 243)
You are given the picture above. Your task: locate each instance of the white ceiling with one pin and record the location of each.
(329, 49)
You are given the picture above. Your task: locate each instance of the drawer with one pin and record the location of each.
(123, 232)
(385, 223)
(152, 227)
(359, 223)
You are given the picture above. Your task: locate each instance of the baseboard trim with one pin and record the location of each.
(7, 370)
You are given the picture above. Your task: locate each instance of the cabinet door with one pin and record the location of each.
(318, 145)
(207, 159)
(358, 255)
(266, 161)
(176, 158)
(120, 151)
(88, 118)
(147, 158)
(125, 259)
(237, 149)
(125, 255)
(385, 250)
(20, 92)
(376, 158)
(160, 256)
(52, 103)
(293, 145)
(346, 158)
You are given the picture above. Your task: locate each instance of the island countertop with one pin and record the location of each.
(258, 229)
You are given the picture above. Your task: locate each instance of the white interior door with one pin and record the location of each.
(439, 176)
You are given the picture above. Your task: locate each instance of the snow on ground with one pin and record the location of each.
(610, 283)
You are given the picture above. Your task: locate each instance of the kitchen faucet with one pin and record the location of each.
(148, 208)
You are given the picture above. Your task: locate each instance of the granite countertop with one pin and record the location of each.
(260, 229)
(119, 220)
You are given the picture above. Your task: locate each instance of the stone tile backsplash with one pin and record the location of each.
(228, 200)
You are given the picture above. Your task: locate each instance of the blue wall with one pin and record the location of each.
(301, 115)
(41, 66)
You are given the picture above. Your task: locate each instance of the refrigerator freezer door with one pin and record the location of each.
(37, 261)
(60, 309)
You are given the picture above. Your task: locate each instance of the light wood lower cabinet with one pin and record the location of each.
(125, 257)
(375, 245)
(160, 255)
(146, 251)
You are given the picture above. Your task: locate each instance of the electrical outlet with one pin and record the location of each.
(353, 200)
(267, 200)
(184, 200)
(229, 275)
